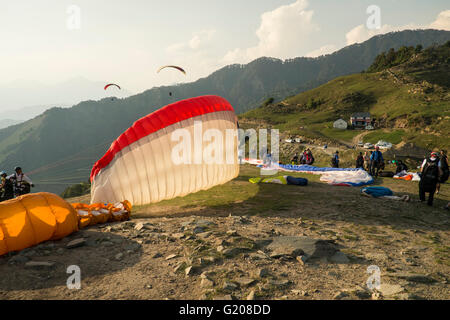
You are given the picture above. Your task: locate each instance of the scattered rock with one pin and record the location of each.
(38, 265)
(60, 251)
(245, 282)
(206, 283)
(279, 283)
(139, 226)
(261, 273)
(220, 248)
(76, 243)
(118, 256)
(290, 246)
(178, 235)
(188, 271)
(199, 230)
(229, 286)
(413, 277)
(232, 233)
(18, 259)
(172, 256)
(388, 290)
(251, 295)
(339, 257)
(340, 295)
(157, 255)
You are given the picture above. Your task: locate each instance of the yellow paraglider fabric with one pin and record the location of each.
(34, 218)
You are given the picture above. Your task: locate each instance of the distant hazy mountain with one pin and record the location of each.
(26, 113)
(19, 94)
(59, 147)
(4, 123)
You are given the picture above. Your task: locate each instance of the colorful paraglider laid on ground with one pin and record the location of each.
(34, 218)
(185, 147)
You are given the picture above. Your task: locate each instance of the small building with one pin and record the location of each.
(340, 124)
(360, 120)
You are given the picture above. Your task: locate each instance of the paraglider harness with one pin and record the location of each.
(21, 186)
(431, 174)
(401, 167)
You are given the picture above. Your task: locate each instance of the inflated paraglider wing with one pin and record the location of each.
(111, 84)
(139, 166)
(175, 67)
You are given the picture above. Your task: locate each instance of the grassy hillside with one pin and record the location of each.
(410, 101)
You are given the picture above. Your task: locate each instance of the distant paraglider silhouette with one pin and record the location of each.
(112, 84)
(175, 67)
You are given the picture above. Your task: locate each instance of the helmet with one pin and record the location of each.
(17, 169)
(2, 173)
(377, 148)
(435, 154)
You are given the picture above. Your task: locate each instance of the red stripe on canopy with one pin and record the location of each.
(164, 117)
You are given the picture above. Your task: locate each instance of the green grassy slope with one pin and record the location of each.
(411, 102)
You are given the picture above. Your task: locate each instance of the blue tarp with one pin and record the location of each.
(377, 191)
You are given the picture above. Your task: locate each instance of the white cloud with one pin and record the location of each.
(327, 49)
(282, 34)
(194, 55)
(442, 21)
(361, 33)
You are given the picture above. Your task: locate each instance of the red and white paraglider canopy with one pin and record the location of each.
(139, 166)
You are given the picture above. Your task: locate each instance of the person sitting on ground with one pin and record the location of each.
(400, 166)
(376, 161)
(443, 164)
(22, 184)
(294, 159)
(360, 161)
(6, 187)
(430, 173)
(335, 160)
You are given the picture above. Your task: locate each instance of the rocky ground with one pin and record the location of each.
(234, 257)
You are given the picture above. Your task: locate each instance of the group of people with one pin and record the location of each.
(306, 158)
(14, 185)
(372, 163)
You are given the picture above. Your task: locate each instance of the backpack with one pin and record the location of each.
(333, 160)
(430, 173)
(443, 164)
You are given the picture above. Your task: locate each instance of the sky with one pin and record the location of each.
(49, 42)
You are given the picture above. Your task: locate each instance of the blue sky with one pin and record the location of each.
(126, 41)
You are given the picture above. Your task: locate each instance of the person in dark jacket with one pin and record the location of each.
(335, 160)
(360, 161)
(400, 166)
(6, 187)
(429, 179)
(443, 165)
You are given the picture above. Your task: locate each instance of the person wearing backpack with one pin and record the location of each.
(430, 173)
(376, 158)
(443, 165)
(335, 160)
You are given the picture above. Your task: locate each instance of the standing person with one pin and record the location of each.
(443, 165)
(22, 184)
(430, 173)
(6, 187)
(366, 161)
(335, 160)
(376, 160)
(360, 161)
